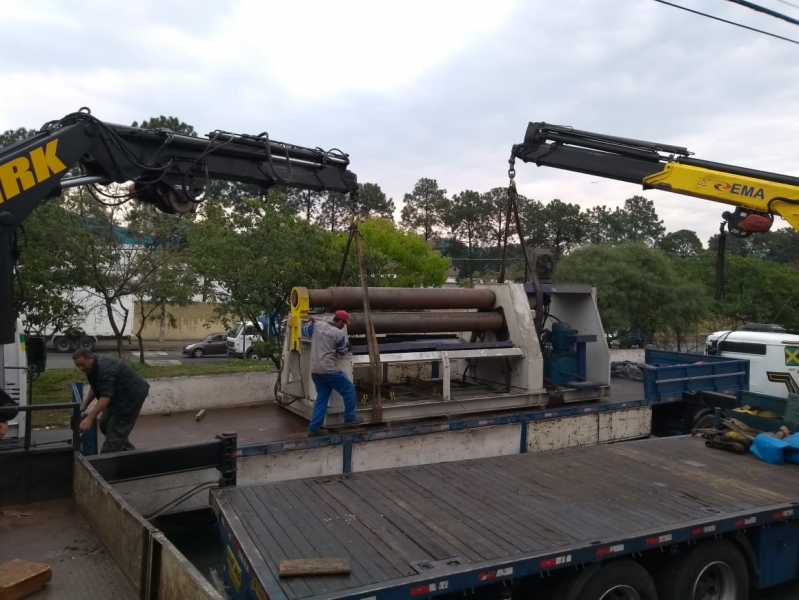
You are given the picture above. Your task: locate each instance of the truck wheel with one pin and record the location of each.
(63, 344)
(253, 355)
(86, 343)
(714, 570)
(617, 580)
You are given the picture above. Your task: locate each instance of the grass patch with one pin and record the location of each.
(53, 386)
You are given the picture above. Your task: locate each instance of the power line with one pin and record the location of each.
(696, 12)
(788, 3)
(764, 10)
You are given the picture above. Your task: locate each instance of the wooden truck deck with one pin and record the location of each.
(486, 519)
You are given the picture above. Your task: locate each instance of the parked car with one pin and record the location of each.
(213, 344)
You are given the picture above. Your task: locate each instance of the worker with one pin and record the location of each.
(120, 392)
(328, 342)
(8, 410)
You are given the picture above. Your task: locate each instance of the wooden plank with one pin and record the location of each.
(267, 536)
(303, 567)
(305, 531)
(20, 578)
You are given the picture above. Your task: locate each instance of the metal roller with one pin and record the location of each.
(427, 322)
(351, 298)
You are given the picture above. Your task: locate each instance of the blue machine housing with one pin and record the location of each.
(566, 362)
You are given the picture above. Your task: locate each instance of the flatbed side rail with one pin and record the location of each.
(151, 563)
(525, 418)
(668, 375)
(239, 545)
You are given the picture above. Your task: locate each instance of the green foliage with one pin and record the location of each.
(373, 202)
(44, 289)
(755, 290)
(424, 208)
(637, 287)
(393, 258)
(684, 243)
(640, 222)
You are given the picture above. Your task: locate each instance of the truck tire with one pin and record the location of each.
(617, 580)
(86, 343)
(705, 421)
(63, 344)
(714, 569)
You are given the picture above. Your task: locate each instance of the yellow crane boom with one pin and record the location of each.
(756, 195)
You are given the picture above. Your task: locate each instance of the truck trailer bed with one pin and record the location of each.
(445, 527)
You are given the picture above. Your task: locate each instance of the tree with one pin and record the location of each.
(755, 290)
(602, 225)
(637, 287)
(253, 263)
(169, 123)
(684, 243)
(533, 217)
(45, 300)
(563, 227)
(640, 221)
(496, 202)
(335, 212)
(306, 202)
(172, 281)
(393, 258)
(424, 208)
(373, 202)
(110, 260)
(44, 287)
(467, 220)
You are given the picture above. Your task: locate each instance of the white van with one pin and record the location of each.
(773, 355)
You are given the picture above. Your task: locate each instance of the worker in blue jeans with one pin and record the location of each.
(328, 342)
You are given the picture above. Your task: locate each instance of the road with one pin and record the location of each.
(56, 360)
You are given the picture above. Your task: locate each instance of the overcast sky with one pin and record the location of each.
(432, 88)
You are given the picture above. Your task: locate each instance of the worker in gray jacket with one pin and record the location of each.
(328, 342)
(120, 393)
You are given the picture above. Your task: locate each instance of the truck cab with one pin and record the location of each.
(240, 339)
(772, 351)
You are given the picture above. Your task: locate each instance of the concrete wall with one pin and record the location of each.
(179, 394)
(190, 322)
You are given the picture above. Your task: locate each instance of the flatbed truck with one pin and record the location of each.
(537, 504)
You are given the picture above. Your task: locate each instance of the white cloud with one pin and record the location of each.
(438, 89)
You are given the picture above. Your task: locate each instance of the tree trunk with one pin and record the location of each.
(141, 347)
(162, 322)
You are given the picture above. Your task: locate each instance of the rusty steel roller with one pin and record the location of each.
(351, 298)
(441, 322)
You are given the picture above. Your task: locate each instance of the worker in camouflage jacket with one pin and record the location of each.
(120, 393)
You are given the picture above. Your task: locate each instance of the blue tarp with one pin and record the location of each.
(774, 451)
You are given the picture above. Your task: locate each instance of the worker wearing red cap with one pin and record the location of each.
(328, 342)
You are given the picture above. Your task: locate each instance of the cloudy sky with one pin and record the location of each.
(432, 88)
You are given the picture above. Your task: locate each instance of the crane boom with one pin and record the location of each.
(757, 195)
(163, 168)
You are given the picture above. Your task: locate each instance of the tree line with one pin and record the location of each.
(245, 249)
